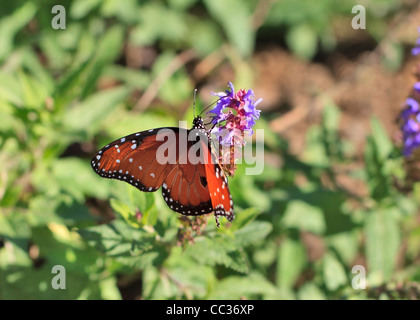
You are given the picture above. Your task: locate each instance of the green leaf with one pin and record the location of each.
(76, 177)
(310, 291)
(345, 244)
(334, 273)
(15, 232)
(252, 232)
(70, 82)
(88, 115)
(28, 283)
(302, 216)
(59, 209)
(125, 212)
(377, 152)
(382, 244)
(239, 33)
(108, 49)
(218, 250)
(244, 217)
(118, 239)
(151, 29)
(237, 287)
(290, 263)
(380, 139)
(81, 8)
(12, 24)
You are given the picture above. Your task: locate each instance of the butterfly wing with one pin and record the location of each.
(221, 198)
(133, 159)
(196, 189)
(188, 188)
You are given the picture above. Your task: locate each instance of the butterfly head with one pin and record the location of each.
(198, 123)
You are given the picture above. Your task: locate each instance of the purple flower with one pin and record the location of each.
(410, 126)
(234, 115)
(416, 50)
(410, 115)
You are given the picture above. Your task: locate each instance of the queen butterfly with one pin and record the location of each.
(189, 187)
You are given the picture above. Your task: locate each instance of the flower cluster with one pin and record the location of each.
(234, 115)
(411, 126)
(410, 115)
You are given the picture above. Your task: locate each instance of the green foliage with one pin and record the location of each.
(298, 232)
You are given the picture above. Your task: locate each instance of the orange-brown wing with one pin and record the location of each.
(133, 159)
(196, 189)
(188, 188)
(221, 198)
(185, 187)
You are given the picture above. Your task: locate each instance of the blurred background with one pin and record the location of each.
(335, 192)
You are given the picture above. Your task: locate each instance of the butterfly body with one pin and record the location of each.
(192, 181)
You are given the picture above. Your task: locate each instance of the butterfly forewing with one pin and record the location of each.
(133, 159)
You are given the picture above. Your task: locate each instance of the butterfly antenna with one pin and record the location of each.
(195, 96)
(213, 103)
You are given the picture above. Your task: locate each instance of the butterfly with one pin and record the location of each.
(193, 182)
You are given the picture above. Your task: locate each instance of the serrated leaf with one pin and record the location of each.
(252, 232)
(218, 250)
(118, 239)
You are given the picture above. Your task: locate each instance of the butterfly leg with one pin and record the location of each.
(216, 217)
